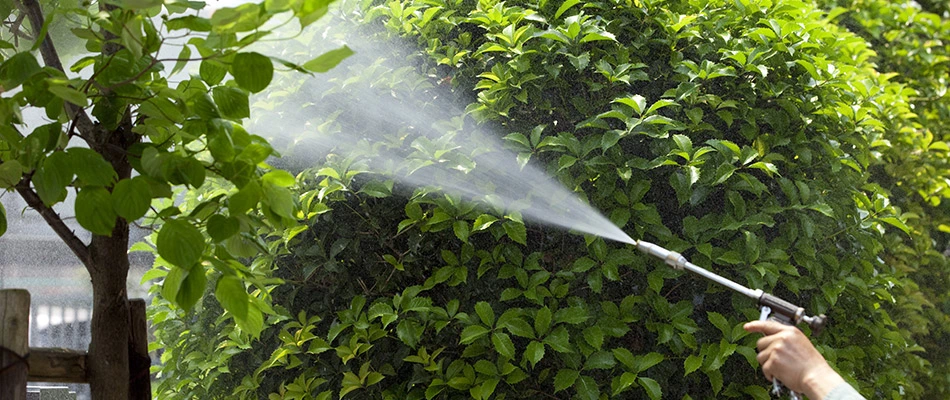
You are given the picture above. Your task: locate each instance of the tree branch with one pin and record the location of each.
(31, 8)
(53, 220)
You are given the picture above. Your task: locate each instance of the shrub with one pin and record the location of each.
(753, 136)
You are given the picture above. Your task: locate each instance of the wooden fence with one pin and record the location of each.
(20, 363)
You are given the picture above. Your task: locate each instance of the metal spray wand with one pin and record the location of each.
(771, 306)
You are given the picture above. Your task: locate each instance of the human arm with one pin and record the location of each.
(785, 353)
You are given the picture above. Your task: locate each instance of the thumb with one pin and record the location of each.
(765, 327)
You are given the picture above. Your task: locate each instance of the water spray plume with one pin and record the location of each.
(412, 131)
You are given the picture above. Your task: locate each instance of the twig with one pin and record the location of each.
(53, 219)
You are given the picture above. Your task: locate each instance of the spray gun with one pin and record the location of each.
(770, 306)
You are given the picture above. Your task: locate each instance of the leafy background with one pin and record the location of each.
(791, 146)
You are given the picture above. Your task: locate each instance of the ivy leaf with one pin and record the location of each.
(252, 71)
(328, 60)
(90, 212)
(180, 243)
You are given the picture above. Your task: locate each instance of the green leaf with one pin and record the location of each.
(232, 295)
(559, 340)
(135, 4)
(17, 69)
(221, 227)
(232, 102)
(311, 11)
(534, 352)
(131, 198)
(594, 336)
(472, 333)
(646, 361)
(52, 177)
(279, 178)
(192, 288)
(90, 212)
(565, 6)
(485, 313)
(378, 189)
(587, 388)
(68, 94)
(652, 387)
(626, 380)
(516, 325)
(571, 315)
(3, 220)
(564, 379)
(328, 60)
(243, 18)
(516, 231)
(90, 167)
(461, 230)
(410, 332)
(542, 321)
(503, 344)
(212, 71)
(482, 222)
(600, 360)
(252, 71)
(245, 199)
(10, 173)
(692, 363)
(180, 243)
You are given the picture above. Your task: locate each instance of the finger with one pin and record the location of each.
(767, 370)
(767, 341)
(763, 356)
(766, 327)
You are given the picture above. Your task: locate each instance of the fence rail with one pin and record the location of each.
(20, 363)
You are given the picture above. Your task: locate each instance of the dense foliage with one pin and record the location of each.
(114, 132)
(789, 146)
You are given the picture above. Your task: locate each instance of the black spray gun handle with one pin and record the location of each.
(772, 307)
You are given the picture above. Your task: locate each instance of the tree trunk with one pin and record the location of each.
(108, 353)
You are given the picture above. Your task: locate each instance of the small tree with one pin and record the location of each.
(121, 134)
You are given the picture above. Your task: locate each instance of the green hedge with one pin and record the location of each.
(756, 137)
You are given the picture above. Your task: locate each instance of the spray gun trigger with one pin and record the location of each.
(764, 313)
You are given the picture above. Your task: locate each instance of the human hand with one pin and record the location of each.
(786, 354)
